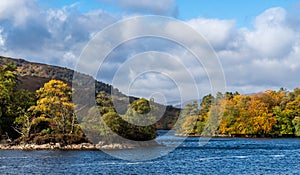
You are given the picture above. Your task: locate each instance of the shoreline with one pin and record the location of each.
(81, 146)
(249, 136)
(124, 146)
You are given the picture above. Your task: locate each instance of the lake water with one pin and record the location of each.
(218, 156)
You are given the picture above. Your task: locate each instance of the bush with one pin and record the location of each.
(59, 138)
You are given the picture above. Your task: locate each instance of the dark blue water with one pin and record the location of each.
(218, 156)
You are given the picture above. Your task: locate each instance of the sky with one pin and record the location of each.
(256, 41)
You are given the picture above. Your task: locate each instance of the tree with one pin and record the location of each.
(91, 124)
(293, 111)
(284, 123)
(189, 125)
(104, 102)
(137, 124)
(114, 125)
(139, 121)
(214, 116)
(296, 123)
(190, 109)
(293, 107)
(22, 103)
(23, 125)
(229, 119)
(141, 106)
(54, 102)
(267, 113)
(8, 110)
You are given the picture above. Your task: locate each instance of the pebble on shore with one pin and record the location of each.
(82, 146)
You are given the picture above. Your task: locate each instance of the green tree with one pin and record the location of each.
(22, 103)
(214, 116)
(284, 125)
(112, 127)
(140, 121)
(10, 100)
(296, 122)
(136, 124)
(293, 111)
(91, 125)
(204, 113)
(104, 102)
(141, 106)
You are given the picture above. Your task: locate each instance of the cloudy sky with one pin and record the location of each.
(257, 42)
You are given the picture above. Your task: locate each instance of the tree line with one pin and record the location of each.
(269, 114)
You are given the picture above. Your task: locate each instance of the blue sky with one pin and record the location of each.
(244, 12)
(257, 41)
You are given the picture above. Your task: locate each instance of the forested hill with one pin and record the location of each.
(32, 76)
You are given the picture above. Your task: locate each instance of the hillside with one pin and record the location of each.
(32, 76)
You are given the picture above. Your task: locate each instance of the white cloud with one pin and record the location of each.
(267, 57)
(217, 32)
(155, 72)
(254, 59)
(272, 17)
(271, 42)
(2, 39)
(46, 35)
(18, 10)
(271, 37)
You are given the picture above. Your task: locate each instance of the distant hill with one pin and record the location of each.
(32, 76)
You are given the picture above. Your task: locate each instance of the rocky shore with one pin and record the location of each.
(49, 146)
(82, 146)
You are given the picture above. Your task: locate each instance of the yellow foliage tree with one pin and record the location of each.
(260, 118)
(54, 102)
(189, 125)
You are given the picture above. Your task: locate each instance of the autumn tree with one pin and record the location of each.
(230, 116)
(261, 120)
(54, 102)
(189, 125)
(184, 124)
